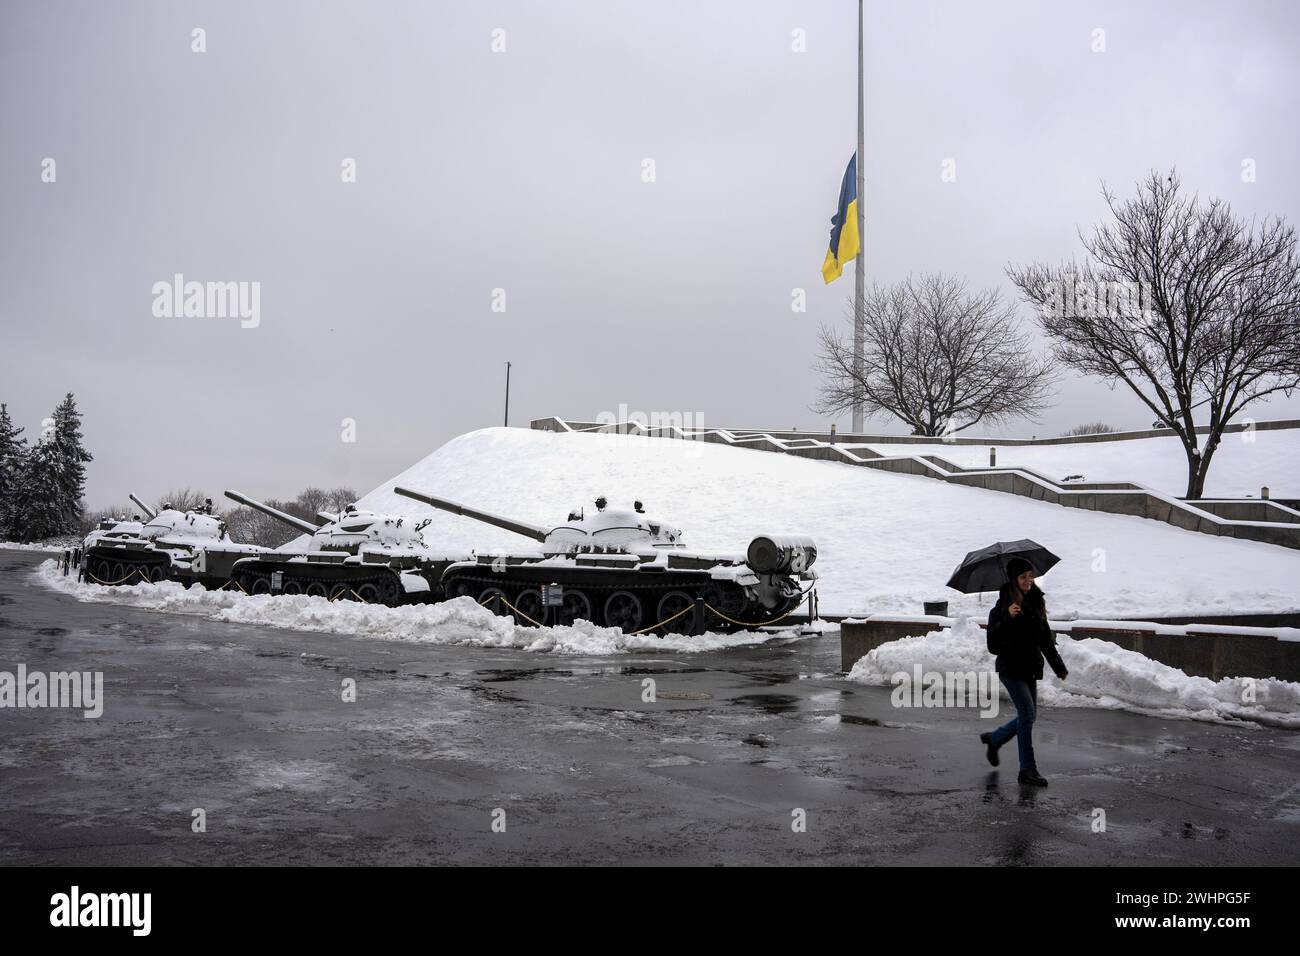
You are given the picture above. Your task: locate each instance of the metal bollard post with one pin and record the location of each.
(832, 441)
(697, 624)
(1263, 492)
(993, 457)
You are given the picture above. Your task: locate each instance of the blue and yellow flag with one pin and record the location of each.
(844, 225)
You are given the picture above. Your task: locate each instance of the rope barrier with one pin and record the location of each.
(667, 620)
(748, 624)
(113, 584)
(519, 612)
(502, 598)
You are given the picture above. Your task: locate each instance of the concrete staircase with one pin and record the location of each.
(1249, 518)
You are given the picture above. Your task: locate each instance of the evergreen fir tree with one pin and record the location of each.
(13, 449)
(36, 511)
(72, 458)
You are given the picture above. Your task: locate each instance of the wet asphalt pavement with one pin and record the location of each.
(248, 723)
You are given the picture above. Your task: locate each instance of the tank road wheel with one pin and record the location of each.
(494, 599)
(117, 573)
(261, 585)
(529, 604)
(390, 591)
(292, 587)
(156, 574)
(623, 610)
(729, 601)
(369, 593)
(576, 607)
(457, 589)
(681, 604)
(317, 589)
(340, 591)
(100, 570)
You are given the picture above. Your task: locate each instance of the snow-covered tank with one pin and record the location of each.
(620, 568)
(355, 555)
(186, 546)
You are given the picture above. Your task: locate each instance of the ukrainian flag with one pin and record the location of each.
(844, 225)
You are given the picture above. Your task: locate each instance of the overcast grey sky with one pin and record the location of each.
(522, 170)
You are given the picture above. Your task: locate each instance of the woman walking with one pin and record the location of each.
(1018, 633)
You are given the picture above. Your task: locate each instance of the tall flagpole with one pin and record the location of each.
(859, 280)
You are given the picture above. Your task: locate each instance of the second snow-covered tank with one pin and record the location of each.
(354, 555)
(620, 568)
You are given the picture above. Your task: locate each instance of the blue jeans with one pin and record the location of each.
(1024, 694)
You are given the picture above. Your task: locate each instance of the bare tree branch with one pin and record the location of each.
(1188, 306)
(937, 356)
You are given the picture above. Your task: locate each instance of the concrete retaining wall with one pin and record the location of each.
(1197, 653)
(553, 423)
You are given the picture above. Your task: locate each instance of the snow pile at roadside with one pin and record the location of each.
(460, 621)
(17, 546)
(1102, 675)
(886, 542)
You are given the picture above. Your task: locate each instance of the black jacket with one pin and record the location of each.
(1021, 643)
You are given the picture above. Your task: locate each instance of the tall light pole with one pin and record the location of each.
(507, 419)
(859, 280)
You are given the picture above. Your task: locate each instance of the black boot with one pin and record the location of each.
(1032, 778)
(992, 751)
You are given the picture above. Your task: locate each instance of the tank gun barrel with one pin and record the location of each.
(143, 507)
(518, 527)
(306, 527)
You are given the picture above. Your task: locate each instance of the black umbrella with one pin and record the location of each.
(986, 569)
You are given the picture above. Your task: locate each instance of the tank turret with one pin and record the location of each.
(607, 530)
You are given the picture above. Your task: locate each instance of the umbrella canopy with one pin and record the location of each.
(986, 569)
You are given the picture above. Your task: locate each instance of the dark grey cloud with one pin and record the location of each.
(522, 171)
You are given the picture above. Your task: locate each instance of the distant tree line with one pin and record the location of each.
(250, 526)
(245, 525)
(42, 481)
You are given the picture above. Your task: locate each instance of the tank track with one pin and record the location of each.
(334, 581)
(726, 596)
(112, 567)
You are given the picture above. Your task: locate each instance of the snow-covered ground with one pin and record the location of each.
(1101, 674)
(460, 621)
(18, 546)
(1243, 464)
(886, 542)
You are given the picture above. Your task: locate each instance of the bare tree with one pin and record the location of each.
(937, 356)
(1090, 428)
(250, 526)
(336, 499)
(182, 499)
(312, 500)
(1187, 305)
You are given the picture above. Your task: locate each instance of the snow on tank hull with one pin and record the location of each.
(355, 555)
(620, 568)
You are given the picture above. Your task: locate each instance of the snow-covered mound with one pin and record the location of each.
(1101, 675)
(886, 542)
(1244, 462)
(453, 622)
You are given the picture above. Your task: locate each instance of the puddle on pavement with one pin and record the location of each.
(769, 703)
